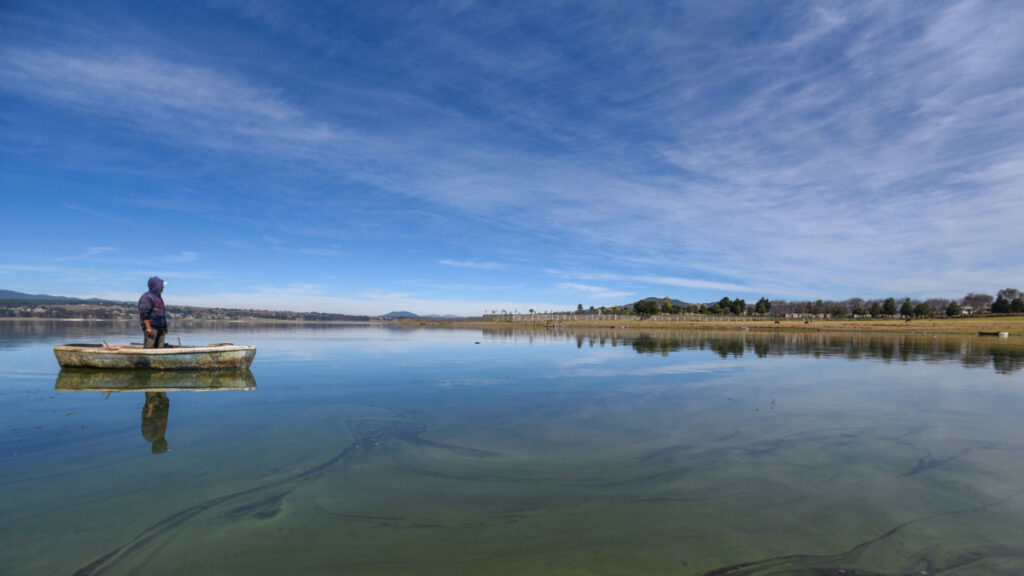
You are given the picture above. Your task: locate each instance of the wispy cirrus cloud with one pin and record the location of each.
(325, 252)
(462, 287)
(89, 253)
(594, 292)
(186, 101)
(648, 285)
(472, 264)
(179, 258)
(698, 284)
(8, 268)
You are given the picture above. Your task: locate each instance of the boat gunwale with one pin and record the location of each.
(115, 389)
(195, 358)
(140, 351)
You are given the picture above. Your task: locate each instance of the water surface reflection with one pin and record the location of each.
(1005, 356)
(155, 384)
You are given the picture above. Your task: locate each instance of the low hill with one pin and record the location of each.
(10, 296)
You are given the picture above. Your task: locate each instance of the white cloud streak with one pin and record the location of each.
(190, 105)
(472, 264)
(599, 293)
(89, 253)
(180, 258)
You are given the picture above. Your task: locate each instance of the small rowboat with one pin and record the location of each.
(211, 357)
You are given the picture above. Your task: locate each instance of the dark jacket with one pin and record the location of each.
(151, 305)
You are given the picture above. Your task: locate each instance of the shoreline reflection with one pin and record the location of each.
(1004, 356)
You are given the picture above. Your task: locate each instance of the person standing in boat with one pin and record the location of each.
(152, 316)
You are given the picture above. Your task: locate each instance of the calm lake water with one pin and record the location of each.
(368, 450)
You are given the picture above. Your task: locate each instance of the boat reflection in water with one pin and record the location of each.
(155, 384)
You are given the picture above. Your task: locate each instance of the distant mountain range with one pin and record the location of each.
(10, 296)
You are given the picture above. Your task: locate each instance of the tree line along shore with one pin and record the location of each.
(1007, 301)
(974, 313)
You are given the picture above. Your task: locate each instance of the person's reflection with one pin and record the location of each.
(154, 420)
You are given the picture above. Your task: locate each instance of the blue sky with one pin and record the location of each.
(461, 156)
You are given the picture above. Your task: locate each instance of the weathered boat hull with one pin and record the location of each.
(97, 380)
(217, 357)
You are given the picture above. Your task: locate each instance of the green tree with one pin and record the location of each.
(953, 309)
(922, 310)
(645, 308)
(667, 307)
(1001, 305)
(579, 308)
(763, 306)
(907, 308)
(889, 307)
(738, 307)
(1017, 305)
(875, 310)
(724, 305)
